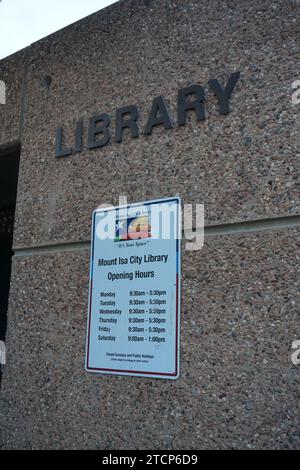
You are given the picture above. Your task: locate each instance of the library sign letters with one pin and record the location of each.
(190, 99)
(134, 307)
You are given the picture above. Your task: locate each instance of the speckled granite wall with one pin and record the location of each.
(131, 53)
(238, 387)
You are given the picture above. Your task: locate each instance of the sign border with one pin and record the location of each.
(133, 373)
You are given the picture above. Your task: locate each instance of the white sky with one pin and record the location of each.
(23, 22)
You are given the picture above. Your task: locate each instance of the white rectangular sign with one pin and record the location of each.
(134, 305)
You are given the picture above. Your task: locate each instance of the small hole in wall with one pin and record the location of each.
(46, 83)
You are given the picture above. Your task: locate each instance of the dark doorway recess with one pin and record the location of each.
(9, 169)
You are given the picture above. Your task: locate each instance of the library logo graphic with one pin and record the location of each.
(133, 228)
